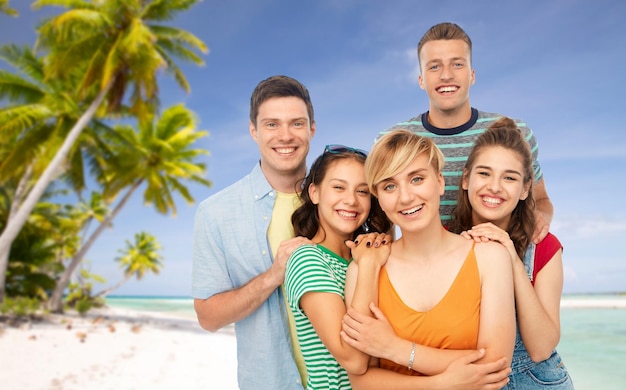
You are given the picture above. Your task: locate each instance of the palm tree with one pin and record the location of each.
(138, 258)
(118, 46)
(34, 124)
(159, 154)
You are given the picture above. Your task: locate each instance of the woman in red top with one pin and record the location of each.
(495, 203)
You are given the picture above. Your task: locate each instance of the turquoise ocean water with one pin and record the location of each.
(593, 340)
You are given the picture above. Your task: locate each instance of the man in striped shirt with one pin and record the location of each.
(446, 74)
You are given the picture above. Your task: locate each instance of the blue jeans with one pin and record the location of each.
(550, 374)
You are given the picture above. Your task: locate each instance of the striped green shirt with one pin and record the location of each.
(314, 268)
(456, 144)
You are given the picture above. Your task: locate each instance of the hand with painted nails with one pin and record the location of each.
(373, 246)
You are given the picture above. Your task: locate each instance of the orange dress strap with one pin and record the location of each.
(451, 324)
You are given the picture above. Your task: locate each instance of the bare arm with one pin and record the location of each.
(544, 211)
(370, 253)
(325, 311)
(538, 307)
(496, 333)
(461, 374)
(231, 306)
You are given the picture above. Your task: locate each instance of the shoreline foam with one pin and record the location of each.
(590, 303)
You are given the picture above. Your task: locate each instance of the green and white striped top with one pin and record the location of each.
(314, 268)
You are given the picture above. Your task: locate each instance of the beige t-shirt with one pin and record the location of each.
(281, 229)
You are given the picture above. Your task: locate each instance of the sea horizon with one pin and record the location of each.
(149, 296)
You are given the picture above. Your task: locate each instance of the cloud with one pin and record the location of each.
(575, 227)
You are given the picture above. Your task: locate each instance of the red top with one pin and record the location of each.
(544, 251)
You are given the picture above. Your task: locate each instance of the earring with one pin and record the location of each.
(365, 226)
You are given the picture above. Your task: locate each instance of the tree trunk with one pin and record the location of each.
(20, 191)
(15, 224)
(107, 291)
(55, 304)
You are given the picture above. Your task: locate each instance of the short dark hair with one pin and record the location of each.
(279, 86)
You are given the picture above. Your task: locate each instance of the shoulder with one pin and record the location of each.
(413, 124)
(491, 253)
(549, 240)
(487, 118)
(306, 250)
(304, 255)
(231, 197)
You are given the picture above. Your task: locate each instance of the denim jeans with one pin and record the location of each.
(528, 375)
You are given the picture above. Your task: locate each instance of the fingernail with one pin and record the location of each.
(368, 244)
(356, 242)
(376, 244)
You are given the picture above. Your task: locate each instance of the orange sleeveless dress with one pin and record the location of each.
(450, 324)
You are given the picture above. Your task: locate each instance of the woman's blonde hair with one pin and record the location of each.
(395, 151)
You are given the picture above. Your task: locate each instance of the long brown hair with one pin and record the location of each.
(504, 133)
(306, 220)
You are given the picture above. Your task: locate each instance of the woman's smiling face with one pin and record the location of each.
(495, 184)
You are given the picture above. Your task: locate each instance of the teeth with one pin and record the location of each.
(412, 211)
(492, 200)
(285, 150)
(447, 89)
(346, 214)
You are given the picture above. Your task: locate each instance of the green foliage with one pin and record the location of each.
(141, 256)
(161, 154)
(20, 307)
(120, 46)
(39, 115)
(80, 296)
(5, 9)
(87, 48)
(33, 261)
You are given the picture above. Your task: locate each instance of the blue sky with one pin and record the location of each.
(555, 64)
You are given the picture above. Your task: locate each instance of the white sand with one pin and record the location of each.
(125, 350)
(120, 350)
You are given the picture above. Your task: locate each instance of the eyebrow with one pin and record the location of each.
(491, 169)
(409, 174)
(441, 60)
(290, 120)
(417, 171)
(330, 179)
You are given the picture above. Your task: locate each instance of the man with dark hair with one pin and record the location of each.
(243, 238)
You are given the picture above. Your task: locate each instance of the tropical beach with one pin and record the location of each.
(133, 345)
(99, 219)
(116, 349)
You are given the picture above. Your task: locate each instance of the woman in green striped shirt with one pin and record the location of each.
(336, 208)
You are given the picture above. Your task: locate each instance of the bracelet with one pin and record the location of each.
(411, 357)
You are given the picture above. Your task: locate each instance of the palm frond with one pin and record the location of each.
(179, 37)
(16, 119)
(24, 60)
(17, 89)
(163, 10)
(71, 26)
